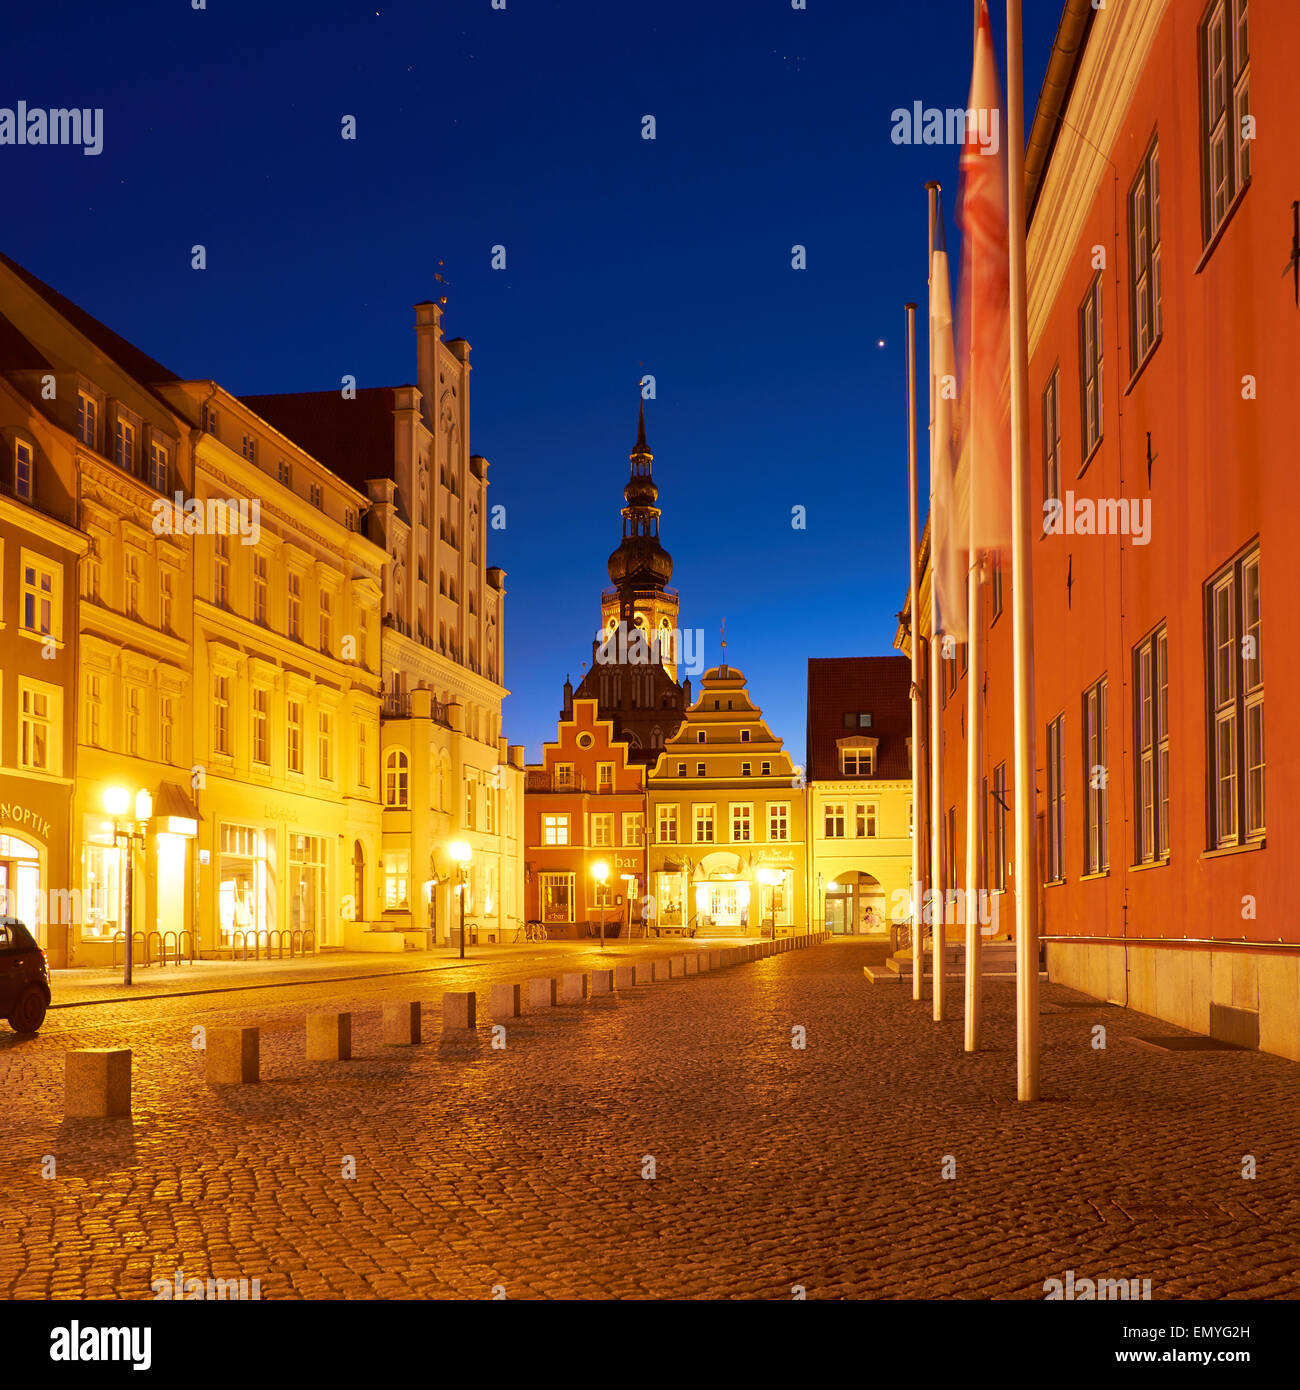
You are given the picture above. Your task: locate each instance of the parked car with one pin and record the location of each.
(24, 977)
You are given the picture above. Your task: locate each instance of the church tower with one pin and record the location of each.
(640, 568)
(634, 682)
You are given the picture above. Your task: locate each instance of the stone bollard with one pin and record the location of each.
(232, 1056)
(401, 1022)
(645, 972)
(624, 976)
(329, 1037)
(715, 960)
(676, 967)
(691, 964)
(573, 987)
(660, 970)
(459, 1010)
(96, 1082)
(506, 1000)
(542, 992)
(602, 981)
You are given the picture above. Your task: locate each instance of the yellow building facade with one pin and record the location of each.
(727, 816)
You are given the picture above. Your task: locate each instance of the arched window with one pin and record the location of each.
(358, 882)
(396, 768)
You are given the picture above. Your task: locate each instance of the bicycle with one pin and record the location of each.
(535, 931)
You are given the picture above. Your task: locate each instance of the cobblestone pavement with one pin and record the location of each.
(773, 1166)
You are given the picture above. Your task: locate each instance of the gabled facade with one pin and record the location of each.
(727, 814)
(585, 804)
(860, 813)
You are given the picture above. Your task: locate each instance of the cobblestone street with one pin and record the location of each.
(773, 1166)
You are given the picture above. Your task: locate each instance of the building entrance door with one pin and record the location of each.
(20, 885)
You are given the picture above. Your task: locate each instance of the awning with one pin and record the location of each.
(174, 810)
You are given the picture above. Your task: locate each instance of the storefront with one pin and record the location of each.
(34, 884)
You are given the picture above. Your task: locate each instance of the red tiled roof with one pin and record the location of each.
(135, 363)
(843, 685)
(352, 438)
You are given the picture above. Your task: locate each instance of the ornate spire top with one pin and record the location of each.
(640, 428)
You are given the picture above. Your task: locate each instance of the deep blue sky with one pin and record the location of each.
(523, 127)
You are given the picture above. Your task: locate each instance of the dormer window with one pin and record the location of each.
(857, 757)
(24, 470)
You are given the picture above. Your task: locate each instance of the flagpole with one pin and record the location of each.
(974, 763)
(1022, 613)
(936, 714)
(914, 611)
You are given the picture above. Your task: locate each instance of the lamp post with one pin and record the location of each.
(600, 872)
(117, 802)
(770, 878)
(461, 854)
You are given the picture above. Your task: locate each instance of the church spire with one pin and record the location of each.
(640, 429)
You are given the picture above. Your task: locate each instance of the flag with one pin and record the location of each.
(984, 302)
(949, 499)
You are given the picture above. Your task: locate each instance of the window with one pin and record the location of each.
(564, 774)
(396, 769)
(666, 829)
(94, 708)
(261, 726)
(471, 799)
(699, 736)
(1225, 104)
(864, 815)
(316, 496)
(88, 420)
(704, 825)
(24, 474)
(1051, 438)
(857, 762)
(221, 714)
(1096, 774)
(363, 754)
(293, 722)
(325, 744)
(556, 893)
(132, 735)
(604, 777)
(42, 596)
(397, 872)
(767, 769)
(555, 830)
(778, 820)
(699, 769)
(166, 727)
(681, 769)
(132, 586)
(124, 445)
(858, 719)
(740, 823)
(39, 721)
(1056, 799)
(326, 622)
(210, 420)
(1000, 814)
(633, 828)
(283, 473)
(159, 465)
(166, 599)
(602, 829)
(1146, 323)
(295, 605)
(1236, 703)
(221, 570)
(834, 820)
(259, 589)
(746, 769)
(249, 448)
(1090, 363)
(744, 736)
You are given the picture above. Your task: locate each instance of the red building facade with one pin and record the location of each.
(1161, 176)
(584, 807)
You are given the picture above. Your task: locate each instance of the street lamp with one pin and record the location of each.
(461, 853)
(771, 877)
(600, 872)
(117, 802)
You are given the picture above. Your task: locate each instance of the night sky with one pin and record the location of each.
(523, 127)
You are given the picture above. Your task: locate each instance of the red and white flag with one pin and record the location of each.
(983, 305)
